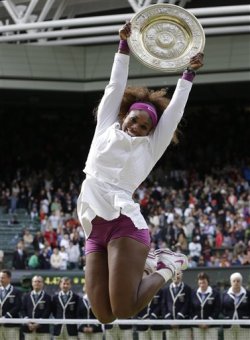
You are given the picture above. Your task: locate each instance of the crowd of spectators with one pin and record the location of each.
(206, 216)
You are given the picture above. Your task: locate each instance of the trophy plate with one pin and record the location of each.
(164, 37)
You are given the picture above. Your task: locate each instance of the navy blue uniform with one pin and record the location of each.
(67, 310)
(10, 305)
(152, 311)
(207, 308)
(85, 312)
(236, 307)
(37, 308)
(177, 302)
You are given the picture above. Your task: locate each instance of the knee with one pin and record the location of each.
(105, 318)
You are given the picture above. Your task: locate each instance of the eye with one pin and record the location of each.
(133, 119)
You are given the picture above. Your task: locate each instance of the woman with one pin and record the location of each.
(205, 305)
(129, 139)
(236, 305)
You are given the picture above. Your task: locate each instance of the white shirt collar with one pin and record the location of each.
(62, 293)
(178, 285)
(6, 288)
(208, 291)
(242, 291)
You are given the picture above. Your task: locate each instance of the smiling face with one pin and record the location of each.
(137, 123)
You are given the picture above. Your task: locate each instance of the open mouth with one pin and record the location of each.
(130, 133)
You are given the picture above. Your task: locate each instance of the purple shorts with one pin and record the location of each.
(104, 231)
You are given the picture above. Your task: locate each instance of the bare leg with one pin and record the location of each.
(97, 286)
(129, 292)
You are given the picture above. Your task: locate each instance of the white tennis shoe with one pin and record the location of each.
(166, 258)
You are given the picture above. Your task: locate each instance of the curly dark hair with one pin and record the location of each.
(143, 94)
(134, 94)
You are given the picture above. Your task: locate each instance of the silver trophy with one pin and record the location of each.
(164, 37)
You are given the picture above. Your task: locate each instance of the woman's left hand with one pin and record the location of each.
(196, 61)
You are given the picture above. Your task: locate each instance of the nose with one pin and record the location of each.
(135, 129)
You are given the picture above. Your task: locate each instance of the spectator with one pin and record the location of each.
(218, 238)
(36, 305)
(14, 196)
(236, 306)
(54, 221)
(176, 306)
(33, 262)
(73, 255)
(65, 305)
(10, 302)
(153, 311)
(44, 257)
(20, 256)
(192, 263)
(235, 261)
(224, 262)
(50, 236)
(27, 238)
(195, 249)
(214, 262)
(71, 223)
(56, 259)
(182, 241)
(44, 205)
(38, 241)
(240, 256)
(64, 241)
(189, 221)
(201, 262)
(56, 208)
(64, 258)
(205, 304)
(206, 252)
(34, 214)
(87, 331)
(246, 258)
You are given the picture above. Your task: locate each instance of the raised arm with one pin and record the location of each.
(172, 115)
(110, 104)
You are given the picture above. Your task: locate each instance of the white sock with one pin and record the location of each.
(165, 273)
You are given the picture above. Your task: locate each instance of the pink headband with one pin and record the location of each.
(149, 108)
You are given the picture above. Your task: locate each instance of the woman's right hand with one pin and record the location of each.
(196, 61)
(125, 31)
